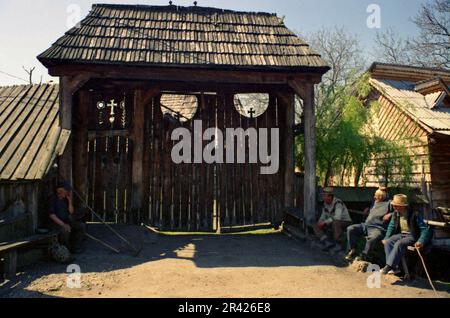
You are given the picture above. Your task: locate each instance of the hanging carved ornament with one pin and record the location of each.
(124, 113)
(103, 106)
(100, 106)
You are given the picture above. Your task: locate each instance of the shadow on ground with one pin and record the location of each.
(205, 251)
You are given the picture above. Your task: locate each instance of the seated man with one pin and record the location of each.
(335, 217)
(406, 228)
(374, 228)
(70, 229)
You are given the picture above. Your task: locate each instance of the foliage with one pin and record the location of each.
(429, 48)
(347, 142)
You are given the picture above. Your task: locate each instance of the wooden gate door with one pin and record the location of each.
(201, 196)
(109, 155)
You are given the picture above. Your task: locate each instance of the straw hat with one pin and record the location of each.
(400, 200)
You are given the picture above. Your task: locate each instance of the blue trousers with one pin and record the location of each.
(356, 231)
(396, 246)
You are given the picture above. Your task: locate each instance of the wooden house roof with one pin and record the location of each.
(183, 36)
(30, 137)
(425, 106)
(182, 106)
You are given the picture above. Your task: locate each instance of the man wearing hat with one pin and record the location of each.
(406, 228)
(334, 218)
(374, 228)
(63, 218)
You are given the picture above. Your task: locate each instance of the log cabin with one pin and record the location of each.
(131, 74)
(414, 110)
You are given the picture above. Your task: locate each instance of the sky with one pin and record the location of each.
(28, 27)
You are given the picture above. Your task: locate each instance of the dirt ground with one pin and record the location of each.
(252, 265)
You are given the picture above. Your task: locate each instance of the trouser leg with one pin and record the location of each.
(320, 233)
(63, 235)
(78, 233)
(397, 248)
(374, 236)
(354, 232)
(339, 227)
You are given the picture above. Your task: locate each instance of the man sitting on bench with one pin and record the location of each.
(334, 218)
(406, 227)
(71, 230)
(374, 228)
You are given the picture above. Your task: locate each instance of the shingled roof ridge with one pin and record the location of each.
(177, 8)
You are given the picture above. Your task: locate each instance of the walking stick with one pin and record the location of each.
(426, 270)
(102, 243)
(137, 251)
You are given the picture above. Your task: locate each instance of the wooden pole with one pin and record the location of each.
(65, 118)
(306, 92)
(80, 140)
(137, 137)
(67, 88)
(289, 151)
(310, 155)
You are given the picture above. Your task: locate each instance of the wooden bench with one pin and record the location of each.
(8, 250)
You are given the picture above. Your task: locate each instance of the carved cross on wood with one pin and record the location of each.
(251, 112)
(113, 105)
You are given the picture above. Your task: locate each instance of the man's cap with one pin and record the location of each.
(327, 190)
(64, 184)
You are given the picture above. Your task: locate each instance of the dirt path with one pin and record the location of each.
(270, 265)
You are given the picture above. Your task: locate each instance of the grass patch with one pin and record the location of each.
(266, 231)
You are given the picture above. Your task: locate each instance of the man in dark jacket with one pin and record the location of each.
(71, 230)
(374, 228)
(406, 228)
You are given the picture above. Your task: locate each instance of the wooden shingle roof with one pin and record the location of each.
(183, 36)
(399, 83)
(30, 135)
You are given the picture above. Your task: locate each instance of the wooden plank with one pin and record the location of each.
(175, 74)
(65, 119)
(289, 153)
(310, 151)
(138, 141)
(80, 147)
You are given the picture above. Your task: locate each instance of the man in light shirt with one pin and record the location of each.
(334, 218)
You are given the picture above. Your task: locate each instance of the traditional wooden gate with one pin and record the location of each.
(201, 196)
(109, 154)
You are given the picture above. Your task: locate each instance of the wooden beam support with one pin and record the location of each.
(65, 120)
(137, 137)
(80, 143)
(68, 86)
(310, 183)
(141, 100)
(188, 74)
(306, 92)
(287, 103)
